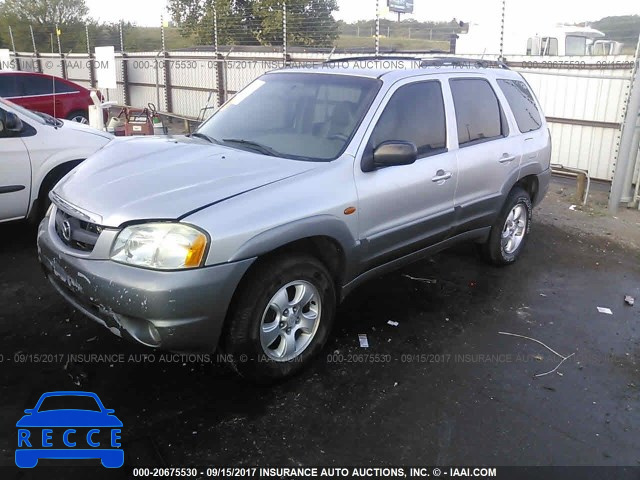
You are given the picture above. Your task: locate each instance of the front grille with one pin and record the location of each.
(76, 233)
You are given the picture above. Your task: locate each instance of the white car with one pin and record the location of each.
(36, 151)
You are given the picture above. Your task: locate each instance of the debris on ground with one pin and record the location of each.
(573, 208)
(429, 281)
(364, 341)
(392, 323)
(92, 339)
(605, 310)
(564, 359)
(629, 300)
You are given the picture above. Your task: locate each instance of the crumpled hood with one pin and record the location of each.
(160, 178)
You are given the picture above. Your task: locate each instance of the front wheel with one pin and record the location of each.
(281, 317)
(511, 230)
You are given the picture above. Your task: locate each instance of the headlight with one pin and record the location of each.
(161, 246)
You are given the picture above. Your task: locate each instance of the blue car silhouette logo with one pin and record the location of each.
(69, 425)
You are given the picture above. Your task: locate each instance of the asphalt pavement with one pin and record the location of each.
(445, 386)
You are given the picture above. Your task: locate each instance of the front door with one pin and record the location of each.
(405, 208)
(15, 174)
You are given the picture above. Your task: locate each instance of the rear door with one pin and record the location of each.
(37, 94)
(489, 153)
(405, 208)
(15, 175)
(530, 124)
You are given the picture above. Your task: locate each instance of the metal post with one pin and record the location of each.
(284, 31)
(13, 43)
(13, 46)
(162, 32)
(504, 6)
(35, 50)
(63, 64)
(377, 27)
(121, 38)
(92, 73)
(215, 26)
(626, 153)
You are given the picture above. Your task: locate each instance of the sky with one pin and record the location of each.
(148, 12)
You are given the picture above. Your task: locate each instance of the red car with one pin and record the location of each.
(55, 96)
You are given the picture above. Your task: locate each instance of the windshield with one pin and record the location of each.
(23, 111)
(575, 45)
(303, 116)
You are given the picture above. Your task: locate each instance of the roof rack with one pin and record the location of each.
(435, 61)
(457, 61)
(373, 57)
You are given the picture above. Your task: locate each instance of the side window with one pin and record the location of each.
(522, 104)
(62, 87)
(34, 85)
(415, 113)
(9, 87)
(478, 112)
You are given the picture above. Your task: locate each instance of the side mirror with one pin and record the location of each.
(394, 153)
(12, 123)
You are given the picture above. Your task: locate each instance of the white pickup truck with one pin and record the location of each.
(36, 151)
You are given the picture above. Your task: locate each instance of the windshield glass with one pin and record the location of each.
(576, 45)
(6, 104)
(304, 116)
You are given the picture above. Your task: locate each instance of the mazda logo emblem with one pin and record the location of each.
(66, 230)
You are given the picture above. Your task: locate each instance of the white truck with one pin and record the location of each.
(553, 40)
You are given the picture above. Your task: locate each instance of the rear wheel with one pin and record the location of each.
(510, 232)
(79, 117)
(281, 317)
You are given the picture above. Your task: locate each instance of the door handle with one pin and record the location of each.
(506, 158)
(442, 176)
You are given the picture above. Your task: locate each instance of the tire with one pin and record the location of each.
(79, 116)
(498, 250)
(269, 334)
(48, 183)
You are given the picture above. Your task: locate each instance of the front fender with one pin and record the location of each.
(316, 226)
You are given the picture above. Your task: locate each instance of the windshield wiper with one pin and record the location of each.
(50, 120)
(205, 137)
(254, 146)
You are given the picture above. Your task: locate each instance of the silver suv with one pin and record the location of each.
(248, 233)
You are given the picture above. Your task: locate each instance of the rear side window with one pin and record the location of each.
(478, 112)
(34, 85)
(415, 113)
(9, 87)
(522, 104)
(62, 87)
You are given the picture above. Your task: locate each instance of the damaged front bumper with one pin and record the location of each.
(177, 310)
